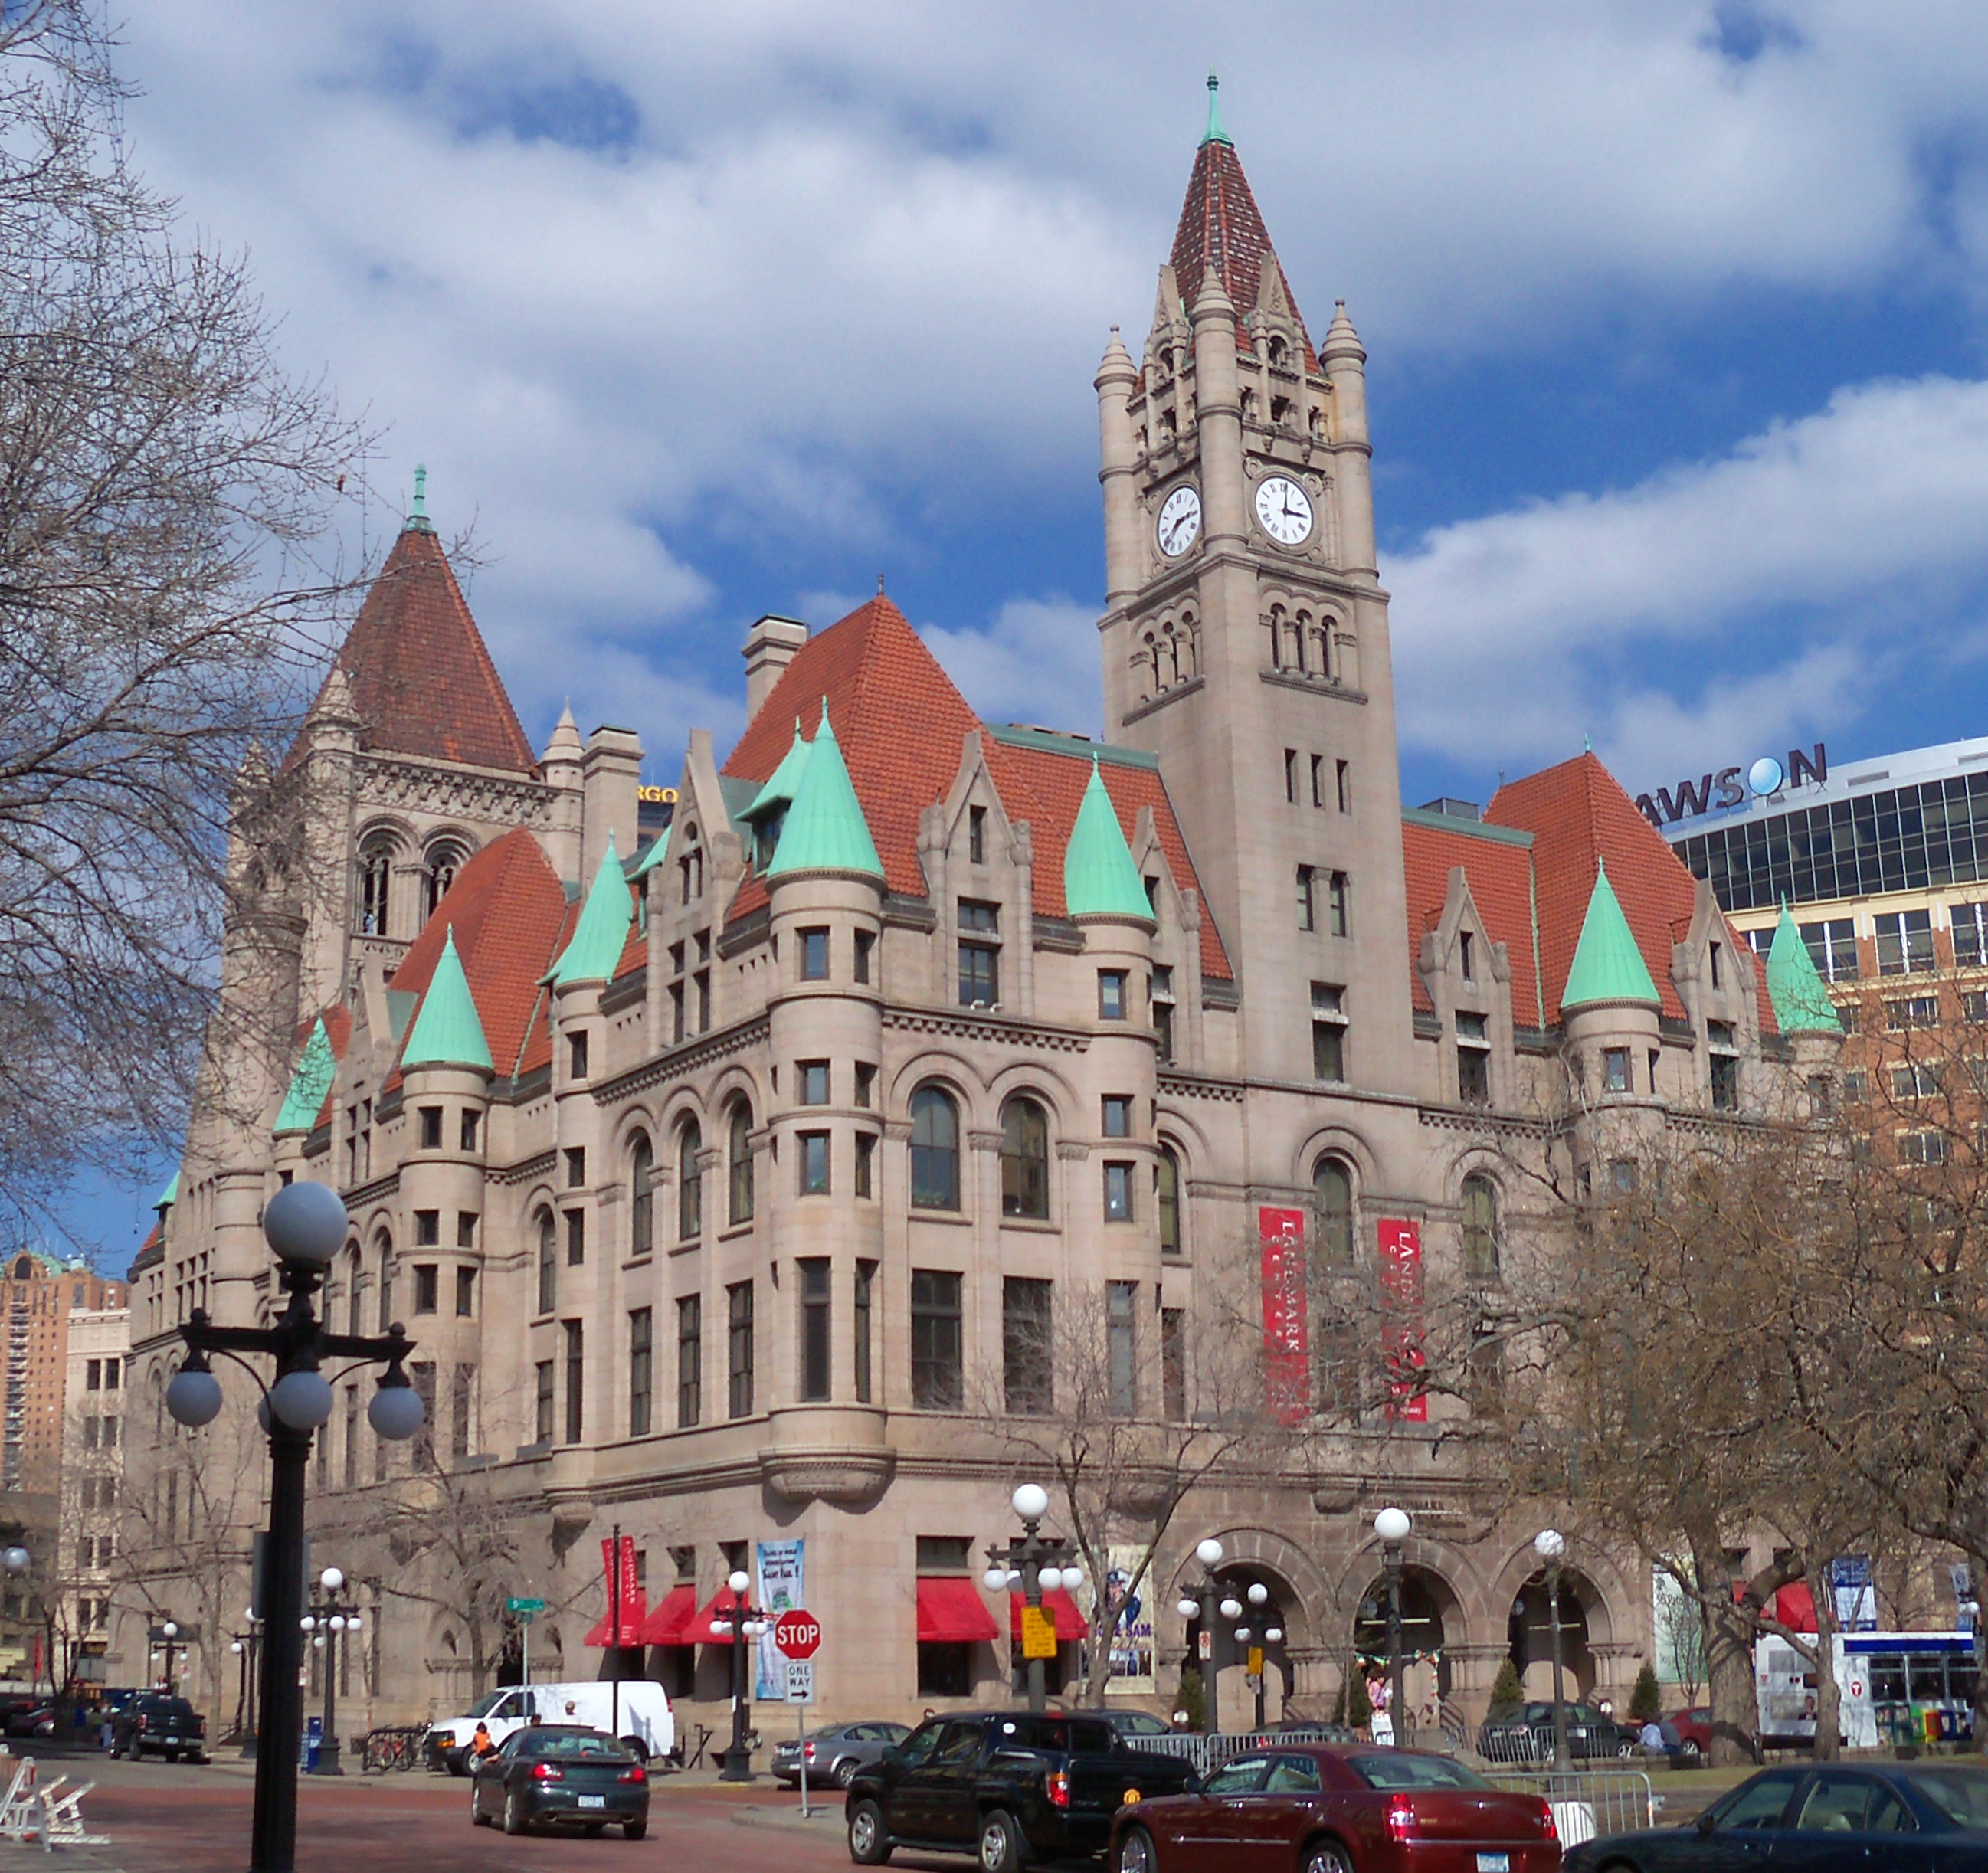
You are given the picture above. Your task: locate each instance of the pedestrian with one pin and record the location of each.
(480, 1745)
(1381, 1725)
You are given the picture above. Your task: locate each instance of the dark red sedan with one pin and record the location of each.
(1338, 1809)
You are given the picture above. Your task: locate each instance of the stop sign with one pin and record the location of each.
(797, 1633)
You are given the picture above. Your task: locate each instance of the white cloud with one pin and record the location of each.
(1036, 662)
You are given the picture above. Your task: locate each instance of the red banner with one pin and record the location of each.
(1287, 1338)
(1401, 1241)
(631, 1612)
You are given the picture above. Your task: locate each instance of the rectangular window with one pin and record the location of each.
(866, 1159)
(576, 1046)
(425, 1287)
(1905, 942)
(575, 1238)
(642, 1353)
(702, 982)
(462, 1394)
(814, 955)
(352, 1437)
(976, 835)
(428, 1228)
(1318, 780)
(430, 1128)
(690, 1362)
(1111, 995)
(1919, 1080)
(547, 1263)
(1163, 1011)
(1117, 1193)
(469, 1120)
(1970, 934)
(1917, 1011)
(1615, 1070)
(1923, 1148)
(866, 945)
(1291, 776)
(1328, 1032)
(1340, 920)
(110, 1372)
(817, 1341)
(936, 1375)
(1117, 1115)
(543, 1371)
(814, 1164)
(739, 1349)
(1466, 945)
(1173, 1363)
(1121, 1346)
(465, 1294)
(866, 1277)
(575, 1381)
(866, 1082)
(677, 1029)
(92, 1378)
(979, 954)
(1473, 1076)
(1307, 910)
(1028, 1364)
(1725, 1083)
(812, 1087)
(576, 1167)
(1345, 778)
(465, 1228)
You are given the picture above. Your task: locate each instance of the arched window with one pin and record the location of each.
(739, 1165)
(1025, 1159)
(690, 1182)
(383, 1250)
(1332, 1186)
(1166, 1199)
(548, 1262)
(1480, 1228)
(641, 1196)
(376, 877)
(444, 859)
(934, 1150)
(352, 1289)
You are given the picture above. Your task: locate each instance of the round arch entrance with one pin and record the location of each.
(1530, 1633)
(1431, 1612)
(1247, 1700)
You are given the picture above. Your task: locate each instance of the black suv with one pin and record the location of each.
(1524, 1733)
(1007, 1786)
(169, 1725)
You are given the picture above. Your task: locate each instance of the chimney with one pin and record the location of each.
(771, 645)
(609, 773)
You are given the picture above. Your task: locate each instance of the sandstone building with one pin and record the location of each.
(713, 1171)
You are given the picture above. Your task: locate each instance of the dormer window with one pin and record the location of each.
(1465, 961)
(976, 835)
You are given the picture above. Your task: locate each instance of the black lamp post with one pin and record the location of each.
(1036, 1564)
(1392, 1525)
(333, 1614)
(1549, 1544)
(306, 1225)
(165, 1637)
(245, 1644)
(744, 1624)
(1200, 1604)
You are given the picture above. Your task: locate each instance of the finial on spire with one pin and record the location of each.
(880, 585)
(418, 521)
(1215, 133)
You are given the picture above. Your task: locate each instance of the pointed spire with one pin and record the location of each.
(1795, 986)
(169, 1196)
(1212, 300)
(1116, 367)
(1099, 877)
(1607, 965)
(309, 1085)
(565, 743)
(1215, 133)
(1341, 338)
(602, 933)
(448, 1031)
(825, 829)
(418, 521)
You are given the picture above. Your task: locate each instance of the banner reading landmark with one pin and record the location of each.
(1286, 1339)
(1402, 1280)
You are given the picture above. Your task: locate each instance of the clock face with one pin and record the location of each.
(1283, 510)
(1179, 522)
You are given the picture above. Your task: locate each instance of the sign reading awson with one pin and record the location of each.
(1766, 776)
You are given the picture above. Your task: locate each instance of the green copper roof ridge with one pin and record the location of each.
(1608, 965)
(602, 932)
(1795, 986)
(825, 829)
(309, 1083)
(171, 1194)
(448, 1031)
(785, 780)
(1099, 877)
(1215, 133)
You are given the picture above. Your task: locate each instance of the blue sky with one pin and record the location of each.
(1674, 314)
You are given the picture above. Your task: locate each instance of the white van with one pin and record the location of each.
(647, 1722)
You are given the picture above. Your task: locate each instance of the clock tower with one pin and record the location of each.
(1245, 635)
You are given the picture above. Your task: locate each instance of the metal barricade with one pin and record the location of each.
(1209, 1753)
(1587, 1803)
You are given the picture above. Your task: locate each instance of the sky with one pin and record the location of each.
(1675, 313)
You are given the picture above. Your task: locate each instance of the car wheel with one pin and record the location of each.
(634, 1831)
(869, 1843)
(457, 1764)
(844, 1772)
(1136, 1853)
(515, 1819)
(637, 1748)
(1325, 1857)
(477, 1817)
(1000, 1843)
(1690, 1755)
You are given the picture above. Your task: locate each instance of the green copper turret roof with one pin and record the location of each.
(1801, 1003)
(825, 829)
(447, 1031)
(305, 1099)
(602, 933)
(1098, 878)
(1607, 965)
(1215, 133)
(780, 790)
(171, 1194)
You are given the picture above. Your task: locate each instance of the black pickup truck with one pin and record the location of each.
(1007, 1786)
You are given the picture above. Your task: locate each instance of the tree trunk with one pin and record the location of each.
(1828, 1693)
(1728, 1663)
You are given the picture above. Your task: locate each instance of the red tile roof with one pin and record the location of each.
(421, 677)
(1221, 225)
(900, 721)
(509, 914)
(1500, 879)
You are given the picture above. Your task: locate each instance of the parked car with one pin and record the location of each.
(1902, 1817)
(1009, 1786)
(1524, 1733)
(562, 1773)
(168, 1726)
(1694, 1731)
(1339, 1808)
(32, 1717)
(637, 1710)
(835, 1754)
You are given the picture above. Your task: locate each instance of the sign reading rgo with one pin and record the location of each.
(797, 1633)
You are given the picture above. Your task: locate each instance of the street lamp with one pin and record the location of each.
(245, 1644)
(1038, 1565)
(336, 1613)
(305, 1225)
(1392, 1525)
(1200, 1606)
(1549, 1544)
(745, 1623)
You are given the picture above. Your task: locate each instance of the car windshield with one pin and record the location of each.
(1405, 1770)
(484, 1705)
(1960, 1796)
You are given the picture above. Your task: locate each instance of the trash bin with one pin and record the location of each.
(313, 1741)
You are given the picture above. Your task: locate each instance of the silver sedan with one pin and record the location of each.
(835, 1754)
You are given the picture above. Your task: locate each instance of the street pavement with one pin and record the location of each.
(180, 1818)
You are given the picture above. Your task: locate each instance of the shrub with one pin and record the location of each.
(1646, 1702)
(1505, 1688)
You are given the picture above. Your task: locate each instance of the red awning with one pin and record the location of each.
(1794, 1607)
(951, 1609)
(673, 1611)
(1070, 1623)
(633, 1614)
(697, 1630)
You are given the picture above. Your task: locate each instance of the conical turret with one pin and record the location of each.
(1099, 877)
(448, 1032)
(309, 1085)
(1607, 965)
(1800, 999)
(825, 829)
(602, 933)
